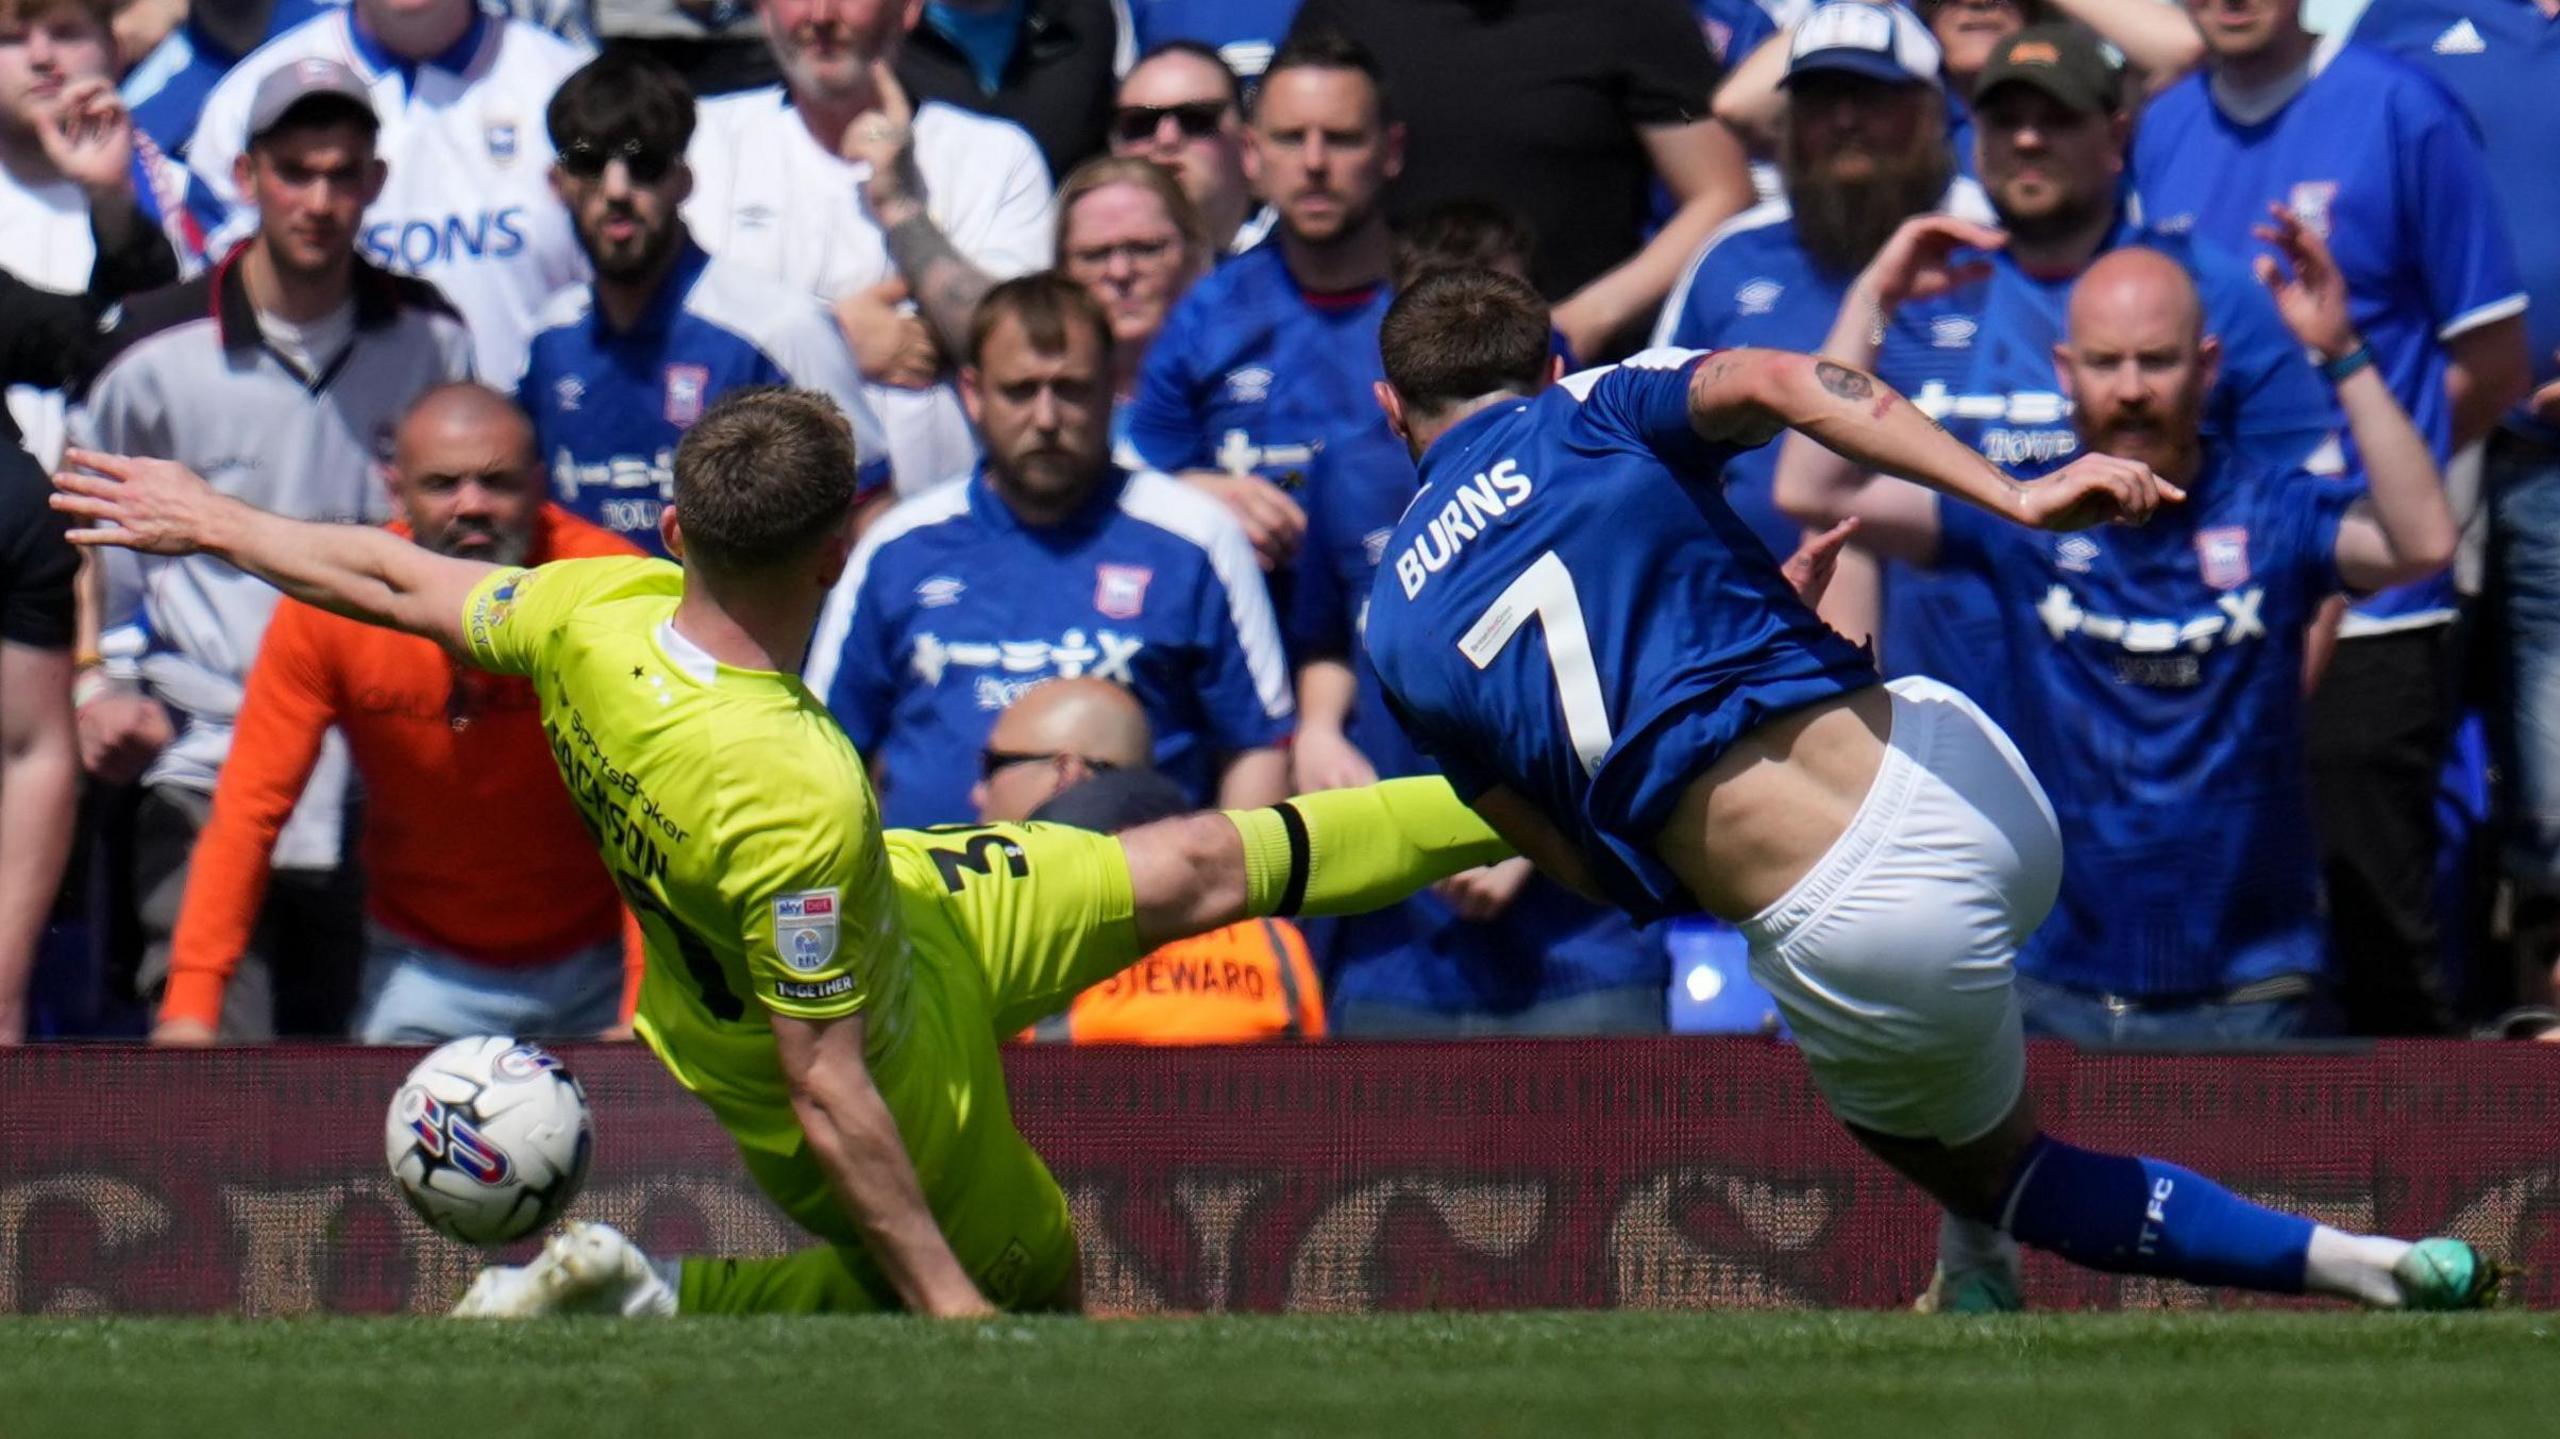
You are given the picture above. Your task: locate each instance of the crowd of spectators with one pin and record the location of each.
(473, 268)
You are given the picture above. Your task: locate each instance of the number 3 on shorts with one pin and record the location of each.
(1545, 589)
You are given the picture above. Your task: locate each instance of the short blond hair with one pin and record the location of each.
(1103, 172)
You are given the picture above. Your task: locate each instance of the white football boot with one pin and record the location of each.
(584, 1269)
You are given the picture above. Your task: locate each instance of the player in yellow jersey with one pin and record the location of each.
(836, 996)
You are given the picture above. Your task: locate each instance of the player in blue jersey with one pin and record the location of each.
(1279, 346)
(619, 369)
(1857, 156)
(1574, 624)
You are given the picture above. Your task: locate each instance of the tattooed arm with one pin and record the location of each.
(1745, 396)
(944, 283)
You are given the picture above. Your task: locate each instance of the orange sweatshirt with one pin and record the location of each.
(470, 843)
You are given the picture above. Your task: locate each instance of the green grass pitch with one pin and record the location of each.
(2328, 1375)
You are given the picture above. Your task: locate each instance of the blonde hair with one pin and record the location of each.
(1108, 170)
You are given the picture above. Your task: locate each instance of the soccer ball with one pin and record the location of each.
(489, 1139)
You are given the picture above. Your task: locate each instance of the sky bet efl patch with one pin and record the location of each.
(804, 929)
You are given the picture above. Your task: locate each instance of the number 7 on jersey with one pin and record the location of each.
(1545, 590)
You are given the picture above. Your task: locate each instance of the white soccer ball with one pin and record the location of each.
(489, 1139)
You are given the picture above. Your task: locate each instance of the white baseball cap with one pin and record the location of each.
(1881, 42)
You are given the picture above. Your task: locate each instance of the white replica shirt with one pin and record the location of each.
(468, 205)
(44, 235)
(767, 195)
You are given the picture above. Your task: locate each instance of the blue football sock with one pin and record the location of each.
(2130, 1215)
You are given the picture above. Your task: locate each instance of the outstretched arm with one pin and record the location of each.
(161, 507)
(946, 284)
(1743, 396)
(1343, 851)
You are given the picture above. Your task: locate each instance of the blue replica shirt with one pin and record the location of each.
(1250, 373)
(165, 92)
(1754, 285)
(2499, 58)
(1549, 944)
(1980, 361)
(1734, 28)
(609, 405)
(1572, 611)
(953, 607)
(2163, 672)
(1243, 32)
(2379, 159)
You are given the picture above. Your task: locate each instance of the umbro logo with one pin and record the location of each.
(568, 391)
(1758, 297)
(2460, 38)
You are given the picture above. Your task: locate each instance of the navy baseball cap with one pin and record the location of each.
(1886, 43)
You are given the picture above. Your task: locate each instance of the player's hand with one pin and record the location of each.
(618, 1034)
(884, 138)
(159, 507)
(120, 732)
(1810, 568)
(1321, 759)
(1477, 895)
(2309, 291)
(1920, 261)
(1271, 519)
(176, 1033)
(891, 344)
(89, 138)
(2095, 490)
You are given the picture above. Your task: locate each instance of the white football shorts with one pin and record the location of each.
(1893, 959)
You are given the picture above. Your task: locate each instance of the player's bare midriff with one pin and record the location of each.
(1762, 816)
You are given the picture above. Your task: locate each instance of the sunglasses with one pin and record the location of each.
(646, 163)
(992, 760)
(1137, 124)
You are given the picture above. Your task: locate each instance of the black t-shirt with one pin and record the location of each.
(36, 562)
(1535, 104)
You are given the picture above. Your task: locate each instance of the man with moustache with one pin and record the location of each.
(1973, 348)
(834, 184)
(486, 910)
(2160, 672)
(280, 375)
(621, 368)
(1278, 347)
(1858, 154)
(2383, 161)
(1051, 563)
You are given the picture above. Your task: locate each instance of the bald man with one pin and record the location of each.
(2161, 670)
(1055, 737)
(487, 911)
(1245, 982)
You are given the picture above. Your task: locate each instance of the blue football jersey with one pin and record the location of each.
(1754, 285)
(953, 607)
(2499, 61)
(1251, 373)
(608, 406)
(1570, 610)
(2379, 159)
(2160, 674)
(1550, 943)
(1243, 32)
(1980, 361)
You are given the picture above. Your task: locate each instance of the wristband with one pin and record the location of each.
(2339, 369)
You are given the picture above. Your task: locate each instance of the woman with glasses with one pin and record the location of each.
(1128, 234)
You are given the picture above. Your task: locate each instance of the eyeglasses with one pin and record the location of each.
(992, 760)
(1137, 124)
(647, 164)
(1140, 252)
